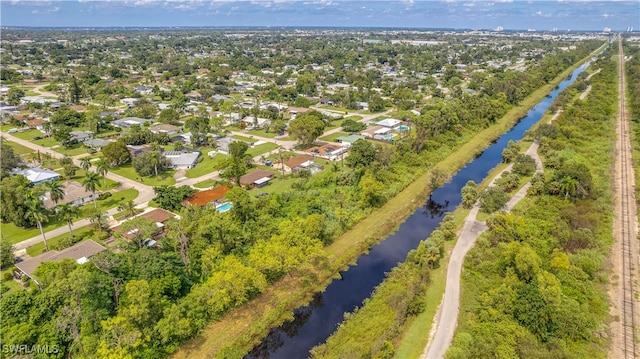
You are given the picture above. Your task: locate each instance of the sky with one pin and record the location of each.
(450, 14)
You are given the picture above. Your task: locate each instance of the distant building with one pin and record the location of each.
(38, 175)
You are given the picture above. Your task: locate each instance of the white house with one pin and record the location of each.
(38, 175)
(182, 160)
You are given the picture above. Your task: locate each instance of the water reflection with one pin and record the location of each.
(435, 209)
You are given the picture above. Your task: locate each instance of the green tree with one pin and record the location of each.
(129, 207)
(116, 153)
(376, 103)
(362, 153)
(8, 159)
(91, 183)
(13, 201)
(56, 193)
(85, 163)
(150, 163)
(370, 192)
(350, 125)
(67, 212)
(237, 160)
(511, 152)
(36, 210)
(6, 254)
(493, 199)
(14, 95)
(306, 84)
(307, 127)
(168, 115)
(469, 194)
(98, 219)
(170, 197)
(69, 171)
(102, 168)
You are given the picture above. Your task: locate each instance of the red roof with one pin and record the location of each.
(205, 197)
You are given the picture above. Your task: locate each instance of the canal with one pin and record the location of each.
(314, 323)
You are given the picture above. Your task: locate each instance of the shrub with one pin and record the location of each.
(104, 195)
(493, 199)
(524, 165)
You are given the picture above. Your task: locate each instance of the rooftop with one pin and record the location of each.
(203, 198)
(79, 251)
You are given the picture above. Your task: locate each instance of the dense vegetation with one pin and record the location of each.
(142, 303)
(534, 283)
(633, 103)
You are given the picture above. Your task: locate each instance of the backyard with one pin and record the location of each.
(127, 170)
(207, 165)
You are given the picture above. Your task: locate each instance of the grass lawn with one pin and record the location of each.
(262, 149)
(127, 170)
(332, 137)
(352, 117)
(14, 234)
(80, 175)
(28, 135)
(262, 133)
(47, 142)
(244, 138)
(18, 149)
(207, 165)
(334, 124)
(205, 184)
(6, 127)
(74, 150)
(277, 185)
(11, 284)
(336, 109)
(106, 204)
(79, 234)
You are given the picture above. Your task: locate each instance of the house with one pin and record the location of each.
(74, 193)
(81, 136)
(182, 159)
(80, 252)
(164, 128)
(138, 150)
(251, 121)
(294, 111)
(38, 175)
(257, 178)
(143, 90)
(194, 96)
(363, 106)
(129, 101)
(349, 140)
(97, 142)
(220, 98)
(184, 138)
(35, 123)
(158, 216)
(328, 151)
(210, 196)
(130, 121)
(378, 132)
(298, 163)
(389, 122)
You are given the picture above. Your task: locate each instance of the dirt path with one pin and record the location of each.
(624, 255)
(446, 320)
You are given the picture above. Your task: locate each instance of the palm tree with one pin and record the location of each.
(90, 183)
(155, 159)
(98, 220)
(129, 207)
(36, 210)
(56, 193)
(569, 186)
(102, 167)
(85, 163)
(68, 212)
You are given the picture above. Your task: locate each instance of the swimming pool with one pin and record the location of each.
(224, 207)
(403, 127)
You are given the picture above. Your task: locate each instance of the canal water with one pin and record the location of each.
(314, 323)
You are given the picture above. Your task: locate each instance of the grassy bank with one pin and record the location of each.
(244, 327)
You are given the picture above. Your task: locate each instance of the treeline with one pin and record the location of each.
(632, 68)
(534, 283)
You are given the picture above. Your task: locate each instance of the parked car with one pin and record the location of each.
(37, 138)
(268, 163)
(13, 130)
(262, 194)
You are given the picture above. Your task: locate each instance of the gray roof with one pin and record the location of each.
(79, 251)
(37, 175)
(97, 142)
(178, 158)
(128, 121)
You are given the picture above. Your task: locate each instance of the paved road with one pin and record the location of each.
(145, 193)
(446, 320)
